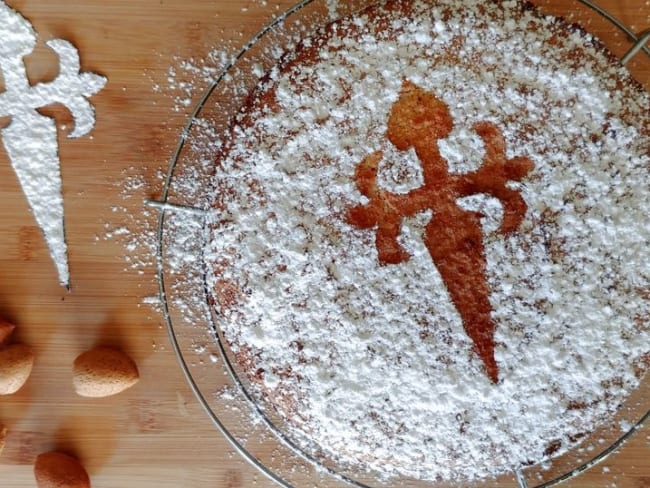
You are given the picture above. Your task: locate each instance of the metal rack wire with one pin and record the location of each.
(164, 206)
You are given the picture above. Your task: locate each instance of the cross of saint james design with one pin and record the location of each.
(453, 236)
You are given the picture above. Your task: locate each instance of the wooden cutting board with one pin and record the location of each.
(156, 434)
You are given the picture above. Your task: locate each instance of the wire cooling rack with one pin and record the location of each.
(167, 205)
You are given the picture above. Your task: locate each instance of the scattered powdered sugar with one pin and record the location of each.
(188, 76)
(185, 80)
(136, 232)
(370, 363)
(332, 9)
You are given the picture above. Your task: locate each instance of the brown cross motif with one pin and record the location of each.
(453, 236)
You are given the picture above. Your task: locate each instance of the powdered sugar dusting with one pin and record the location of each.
(376, 355)
(30, 139)
(186, 77)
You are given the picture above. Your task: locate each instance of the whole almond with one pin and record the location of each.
(3, 436)
(16, 361)
(58, 470)
(6, 329)
(103, 371)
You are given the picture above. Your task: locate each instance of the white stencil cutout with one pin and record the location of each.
(30, 139)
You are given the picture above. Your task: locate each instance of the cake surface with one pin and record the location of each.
(431, 252)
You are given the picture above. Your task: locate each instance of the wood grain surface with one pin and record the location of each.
(155, 434)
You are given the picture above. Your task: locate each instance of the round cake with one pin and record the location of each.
(430, 251)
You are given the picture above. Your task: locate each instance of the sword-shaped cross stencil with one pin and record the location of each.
(30, 139)
(453, 236)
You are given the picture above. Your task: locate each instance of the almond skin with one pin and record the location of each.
(103, 371)
(58, 470)
(6, 329)
(16, 361)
